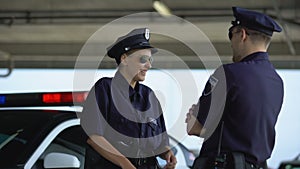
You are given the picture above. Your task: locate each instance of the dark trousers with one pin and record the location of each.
(93, 160)
(253, 166)
(233, 161)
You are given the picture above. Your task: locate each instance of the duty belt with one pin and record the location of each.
(143, 161)
(232, 159)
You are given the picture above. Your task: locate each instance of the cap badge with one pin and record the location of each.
(147, 34)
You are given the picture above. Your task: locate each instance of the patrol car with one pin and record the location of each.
(41, 130)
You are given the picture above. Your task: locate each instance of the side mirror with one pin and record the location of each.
(61, 160)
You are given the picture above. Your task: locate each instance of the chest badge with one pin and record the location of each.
(151, 120)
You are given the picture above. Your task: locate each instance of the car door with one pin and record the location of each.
(67, 150)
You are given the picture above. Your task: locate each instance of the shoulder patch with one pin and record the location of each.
(210, 86)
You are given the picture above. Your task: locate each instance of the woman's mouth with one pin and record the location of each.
(143, 72)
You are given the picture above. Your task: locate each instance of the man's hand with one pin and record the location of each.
(193, 125)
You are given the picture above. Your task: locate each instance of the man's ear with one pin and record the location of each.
(244, 34)
(123, 59)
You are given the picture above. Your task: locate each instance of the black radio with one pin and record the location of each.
(220, 159)
(220, 162)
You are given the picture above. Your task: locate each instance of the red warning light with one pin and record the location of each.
(64, 97)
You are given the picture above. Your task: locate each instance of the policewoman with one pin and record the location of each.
(122, 117)
(239, 106)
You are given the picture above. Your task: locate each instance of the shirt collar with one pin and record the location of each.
(122, 84)
(256, 56)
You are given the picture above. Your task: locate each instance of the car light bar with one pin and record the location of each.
(63, 97)
(43, 99)
(2, 99)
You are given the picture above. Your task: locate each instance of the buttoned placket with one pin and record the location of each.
(136, 99)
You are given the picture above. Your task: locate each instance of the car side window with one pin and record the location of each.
(67, 150)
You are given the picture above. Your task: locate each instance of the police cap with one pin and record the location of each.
(136, 39)
(255, 21)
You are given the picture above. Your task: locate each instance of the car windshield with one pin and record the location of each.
(20, 132)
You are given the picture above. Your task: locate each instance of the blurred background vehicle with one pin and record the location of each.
(41, 130)
(292, 164)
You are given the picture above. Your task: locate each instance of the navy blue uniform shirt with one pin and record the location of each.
(249, 108)
(129, 118)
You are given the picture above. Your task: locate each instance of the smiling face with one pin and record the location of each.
(137, 64)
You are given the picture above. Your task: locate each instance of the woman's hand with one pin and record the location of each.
(170, 159)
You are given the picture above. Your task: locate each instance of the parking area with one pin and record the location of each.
(49, 46)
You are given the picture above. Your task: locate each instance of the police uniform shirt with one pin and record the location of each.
(124, 115)
(252, 101)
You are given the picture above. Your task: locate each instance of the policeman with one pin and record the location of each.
(123, 118)
(239, 106)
